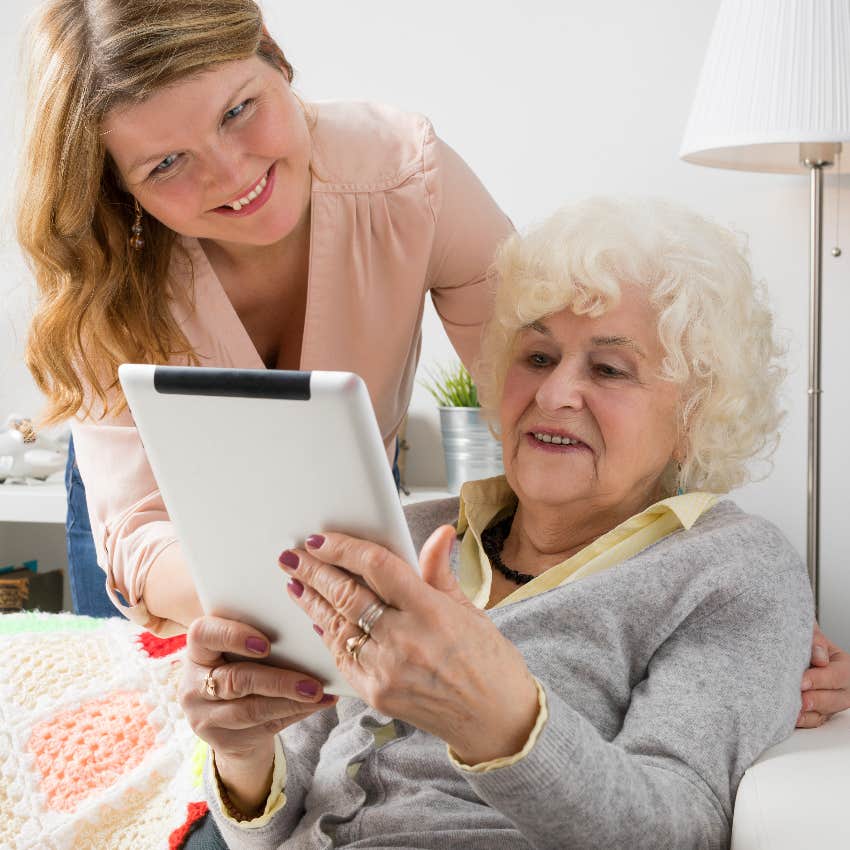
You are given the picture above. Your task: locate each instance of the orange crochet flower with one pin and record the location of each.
(86, 749)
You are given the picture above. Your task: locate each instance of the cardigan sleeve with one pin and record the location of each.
(469, 226)
(301, 747)
(719, 691)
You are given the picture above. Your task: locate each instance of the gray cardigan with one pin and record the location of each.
(666, 677)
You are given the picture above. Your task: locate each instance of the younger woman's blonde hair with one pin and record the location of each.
(100, 303)
(713, 321)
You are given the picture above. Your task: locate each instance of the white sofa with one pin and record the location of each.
(797, 795)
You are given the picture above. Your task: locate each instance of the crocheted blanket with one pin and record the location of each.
(94, 749)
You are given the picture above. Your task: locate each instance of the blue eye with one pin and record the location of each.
(538, 360)
(166, 163)
(237, 110)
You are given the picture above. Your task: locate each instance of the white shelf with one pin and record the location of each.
(46, 502)
(33, 503)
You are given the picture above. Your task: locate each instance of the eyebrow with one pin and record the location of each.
(161, 156)
(598, 341)
(618, 342)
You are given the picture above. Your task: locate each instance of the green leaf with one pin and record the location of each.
(451, 386)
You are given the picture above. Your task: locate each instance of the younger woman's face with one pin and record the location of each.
(223, 155)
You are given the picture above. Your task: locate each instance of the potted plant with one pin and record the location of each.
(470, 449)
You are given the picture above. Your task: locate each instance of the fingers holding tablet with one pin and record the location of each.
(210, 637)
(237, 705)
(346, 600)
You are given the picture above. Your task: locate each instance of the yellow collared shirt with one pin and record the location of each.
(483, 502)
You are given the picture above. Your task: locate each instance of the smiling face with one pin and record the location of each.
(223, 155)
(584, 416)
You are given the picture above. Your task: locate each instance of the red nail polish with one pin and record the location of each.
(257, 645)
(318, 629)
(289, 559)
(295, 587)
(327, 698)
(307, 688)
(314, 541)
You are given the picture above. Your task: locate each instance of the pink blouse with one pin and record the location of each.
(395, 213)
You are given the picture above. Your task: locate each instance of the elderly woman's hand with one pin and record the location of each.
(238, 707)
(826, 684)
(432, 659)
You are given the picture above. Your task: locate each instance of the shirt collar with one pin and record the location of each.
(482, 501)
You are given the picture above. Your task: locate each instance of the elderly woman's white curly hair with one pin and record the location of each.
(713, 322)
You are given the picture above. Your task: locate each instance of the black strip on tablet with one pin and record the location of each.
(242, 383)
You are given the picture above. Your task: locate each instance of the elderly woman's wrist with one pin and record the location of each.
(245, 781)
(500, 731)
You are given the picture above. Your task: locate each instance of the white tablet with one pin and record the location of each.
(251, 462)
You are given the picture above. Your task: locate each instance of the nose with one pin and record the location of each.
(563, 387)
(223, 176)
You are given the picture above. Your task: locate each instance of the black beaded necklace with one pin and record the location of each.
(493, 540)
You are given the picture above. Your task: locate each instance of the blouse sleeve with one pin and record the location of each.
(469, 226)
(130, 525)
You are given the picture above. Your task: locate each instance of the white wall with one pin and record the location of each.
(549, 102)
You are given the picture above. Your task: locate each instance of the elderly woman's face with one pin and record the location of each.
(584, 414)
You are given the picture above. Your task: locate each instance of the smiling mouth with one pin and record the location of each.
(251, 199)
(547, 439)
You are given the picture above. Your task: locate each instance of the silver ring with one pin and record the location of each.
(370, 616)
(355, 643)
(209, 684)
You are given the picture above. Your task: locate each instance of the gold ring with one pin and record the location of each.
(209, 684)
(355, 643)
(371, 616)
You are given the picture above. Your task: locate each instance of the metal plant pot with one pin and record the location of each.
(471, 450)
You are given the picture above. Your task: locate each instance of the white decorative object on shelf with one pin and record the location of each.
(27, 455)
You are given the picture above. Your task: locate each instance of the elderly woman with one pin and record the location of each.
(610, 646)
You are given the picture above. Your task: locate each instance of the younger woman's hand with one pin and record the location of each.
(826, 684)
(238, 707)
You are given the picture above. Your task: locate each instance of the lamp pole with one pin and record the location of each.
(815, 157)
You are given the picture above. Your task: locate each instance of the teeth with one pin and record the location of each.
(243, 202)
(554, 439)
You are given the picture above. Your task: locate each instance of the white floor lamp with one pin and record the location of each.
(774, 95)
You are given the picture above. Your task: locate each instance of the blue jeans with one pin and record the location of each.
(88, 591)
(88, 582)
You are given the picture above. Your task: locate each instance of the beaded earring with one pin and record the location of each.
(137, 241)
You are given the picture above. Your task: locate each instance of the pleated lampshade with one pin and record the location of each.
(776, 74)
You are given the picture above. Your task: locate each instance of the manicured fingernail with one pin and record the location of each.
(257, 645)
(314, 541)
(307, 688)
(807, 683)
(289, 559)
(318, 629)
(820, 653)
(327, 698)
(295, 587)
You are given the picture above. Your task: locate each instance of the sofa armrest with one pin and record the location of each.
(798, 793)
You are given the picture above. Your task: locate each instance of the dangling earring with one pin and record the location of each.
(679, 490)
(137, 242)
